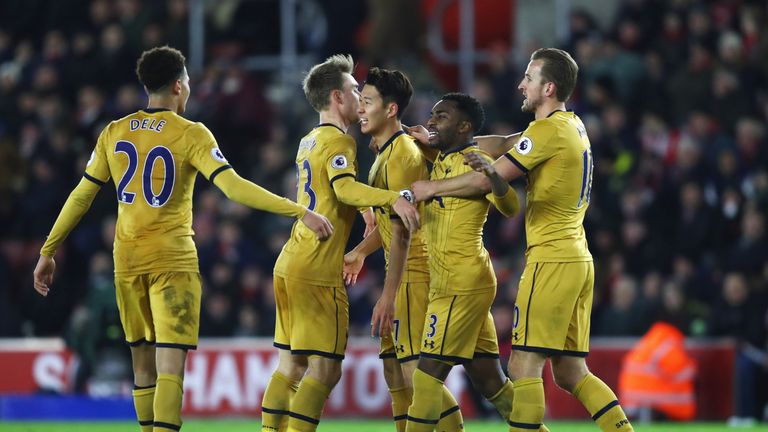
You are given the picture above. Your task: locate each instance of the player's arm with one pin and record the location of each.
(502, 196)
(75, 207)
(384, 310)
(466, 185)
(354, 259)
(351, 192)
(252, 195)
(497, 145)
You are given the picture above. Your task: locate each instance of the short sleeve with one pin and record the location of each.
(97, 167)
(205, 154)
(341, 158)
(532, 148)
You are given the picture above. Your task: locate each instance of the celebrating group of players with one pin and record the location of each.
(434, 310)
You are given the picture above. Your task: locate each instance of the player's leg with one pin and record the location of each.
(144, 379)
(175, 301)
(307, 406)
(319, 331)
(281, 390)
(393, 376)
(570, 368)
(428, 383)
(284, 382)
(571, 374)
(136, 318)
(525, 369)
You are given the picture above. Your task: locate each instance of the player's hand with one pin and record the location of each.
(370, 222)
(479, 163)
(43, 275)
(420, 133)
(383, 315)
(318, 223)
(408, 213)
(422, 190)
(353, 264)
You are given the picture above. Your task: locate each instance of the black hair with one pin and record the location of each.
(159, 67)
(469, 107)
(393, 86)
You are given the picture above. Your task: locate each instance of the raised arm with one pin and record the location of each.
(502, 196)
(252, 195)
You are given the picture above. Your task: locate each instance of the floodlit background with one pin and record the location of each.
(673, 94)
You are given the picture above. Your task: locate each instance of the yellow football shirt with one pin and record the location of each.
(458, 261)
(326, 154)
(153, 157)
(556, 156)
(399, 164)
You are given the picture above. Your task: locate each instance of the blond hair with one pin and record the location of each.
(325, 77)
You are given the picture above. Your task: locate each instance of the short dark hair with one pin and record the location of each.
(469, 108)
(393, 86)
(558, 67)
(159, 67)
(326, 77)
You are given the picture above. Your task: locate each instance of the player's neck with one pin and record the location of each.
(162, 102)
(335, 118)
(548, 107)
(381, 137)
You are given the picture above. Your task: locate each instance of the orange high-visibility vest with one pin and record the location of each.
(657, 373)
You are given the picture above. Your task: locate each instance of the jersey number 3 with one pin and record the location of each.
(308, 185)
(160, 152)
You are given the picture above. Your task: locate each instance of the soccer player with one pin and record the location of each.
(458, 327)
(403, 301)
(555, 297)
(153, 156)
(311, 300)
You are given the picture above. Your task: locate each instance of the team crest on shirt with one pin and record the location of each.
(524, 146)
(339, 162)
(93, 156)
(216, 153)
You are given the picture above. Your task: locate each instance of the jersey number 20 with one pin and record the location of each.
(161, 152)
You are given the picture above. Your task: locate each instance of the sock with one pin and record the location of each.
(503, 398)
(401, 400)
(143, 398)
(528, 409)
(167, 404)
(425, 409)
(307, 405)
(451, 419)
(602, 404)
(277, 402)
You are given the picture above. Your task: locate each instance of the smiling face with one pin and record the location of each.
(532, 87)
(446, 126)
(374, 113)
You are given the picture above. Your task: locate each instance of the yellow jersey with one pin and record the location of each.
(399, 164)
(326, 154)
(154, 156)
(458, 261)
(556, 156)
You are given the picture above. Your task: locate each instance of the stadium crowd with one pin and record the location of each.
(674, 96)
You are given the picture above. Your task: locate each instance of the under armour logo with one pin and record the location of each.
(515, 335)
(429, 344)
(401, 348)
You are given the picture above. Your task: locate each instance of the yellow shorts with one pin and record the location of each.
(553, 308)
(311, 319)
(458, 328)
(410, 309)
(160, 308)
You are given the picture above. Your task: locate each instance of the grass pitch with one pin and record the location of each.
(252, 425)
